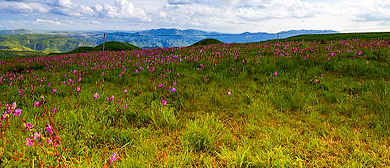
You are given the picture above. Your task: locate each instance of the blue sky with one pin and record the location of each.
(229, 16)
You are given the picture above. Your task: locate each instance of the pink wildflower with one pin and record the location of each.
(13, 106)
(125, 91)
(36, 104)
(78, 89)
(54, 90)
(164, 102)
(96, 95)
(28, 143)
(49, 129)
(275, 73)
(37, 135)
(28, 125)
(173, 89)
(113, 157)
(17, 112)
(49, 140)
(229, 93)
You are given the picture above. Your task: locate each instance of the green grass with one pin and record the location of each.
(317, 111)
(208, 41)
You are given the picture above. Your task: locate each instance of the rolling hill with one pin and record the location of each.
(108, 46)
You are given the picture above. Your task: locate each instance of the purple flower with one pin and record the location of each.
(36, 104)
(164, 102)
(125, 91)
(173, 89)
(96, 95)
(54, 90)
(4, 116)
(37, 135)
(113, 157)
(49, 129)
(28, 143)
(78, 89)
(229, 93)
(17, 112)
(275, 73)
(13, 106)
(28, 125)
(49, 140)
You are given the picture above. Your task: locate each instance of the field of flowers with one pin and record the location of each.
(269, 104)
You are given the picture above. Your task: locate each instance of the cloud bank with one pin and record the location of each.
(214, 15)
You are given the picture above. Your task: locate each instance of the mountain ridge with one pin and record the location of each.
(153, 38)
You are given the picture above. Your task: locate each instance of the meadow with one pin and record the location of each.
(268, 104)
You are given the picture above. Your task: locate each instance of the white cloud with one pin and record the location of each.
(122, 9)
(64, 3)
(180, 2)
(52, 22)
(22, 7)
(233, 16)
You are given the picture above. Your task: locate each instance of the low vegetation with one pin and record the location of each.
(207, 42)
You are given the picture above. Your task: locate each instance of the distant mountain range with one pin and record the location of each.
(63, 41)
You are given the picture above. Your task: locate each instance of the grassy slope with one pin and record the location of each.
(207, 42)
(339, 36)
(109, 46)
(40, 42)
(283, 120)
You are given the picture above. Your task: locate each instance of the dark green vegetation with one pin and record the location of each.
(13, 54)
(338, 36)
(207, 42)
(108, 46)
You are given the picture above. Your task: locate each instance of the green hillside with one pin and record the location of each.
(40, 42)
(208, 42)
(108, 46)
(338, 36)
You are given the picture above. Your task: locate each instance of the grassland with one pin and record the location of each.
(269, 104)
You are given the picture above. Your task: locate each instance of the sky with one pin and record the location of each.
(227, 16)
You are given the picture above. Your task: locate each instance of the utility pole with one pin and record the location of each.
(104, 40)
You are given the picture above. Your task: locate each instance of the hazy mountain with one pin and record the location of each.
(63, 41)
(17, 31)
(178, 38)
